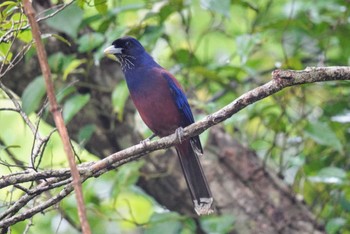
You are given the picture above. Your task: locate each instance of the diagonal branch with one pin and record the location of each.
(281, 79)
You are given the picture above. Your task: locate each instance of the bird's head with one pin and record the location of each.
(126, 50)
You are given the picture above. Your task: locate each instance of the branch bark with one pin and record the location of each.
(281, 79)
(57, 115)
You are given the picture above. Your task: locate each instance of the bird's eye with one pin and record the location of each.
(127, 44)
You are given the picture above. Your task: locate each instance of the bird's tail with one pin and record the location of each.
(195, 178)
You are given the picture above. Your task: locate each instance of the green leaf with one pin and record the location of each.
(185, 57)
(245, 45)
(90, 41)
(119, 97)
(64, 40)
(221, 7)
(65, 92)
(5, 54)
(159, 222)
(73, 105)
(8, 3)
(134, 206)
(25, 36)
(345, 203)
(217, 224)
(329, 175)
(56, 62)
(151, 34)
(33, 94)
(81, 3)
(321, 133)
(67, 21)
(334, 225)
(127, 175)
(85, 133)
(72, 66)
(101, 6)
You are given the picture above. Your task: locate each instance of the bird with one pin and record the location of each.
(164, 108)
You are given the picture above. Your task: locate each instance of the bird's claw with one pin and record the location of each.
(145, 141)
(203, 206)
(179, 134)
(148, 139)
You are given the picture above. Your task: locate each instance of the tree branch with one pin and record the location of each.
(281, 79)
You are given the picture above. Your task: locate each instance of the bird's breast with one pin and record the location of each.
(154, 101)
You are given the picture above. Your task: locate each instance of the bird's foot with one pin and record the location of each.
(148, 139)
(203, 207)
(179, 134)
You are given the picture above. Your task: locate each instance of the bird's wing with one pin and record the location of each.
(180, 98)
(182, 104)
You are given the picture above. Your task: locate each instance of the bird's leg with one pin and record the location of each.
(179, 134)
(148, 139)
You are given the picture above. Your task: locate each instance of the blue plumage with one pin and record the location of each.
(163, 106)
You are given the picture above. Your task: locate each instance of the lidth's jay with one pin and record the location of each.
(164, 108)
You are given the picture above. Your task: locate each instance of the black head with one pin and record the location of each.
(125, 46)
(129, 52)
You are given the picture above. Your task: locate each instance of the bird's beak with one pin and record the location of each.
(112, 50)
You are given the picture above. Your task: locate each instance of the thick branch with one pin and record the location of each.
(281, 79)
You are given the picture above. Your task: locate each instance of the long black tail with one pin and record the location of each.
(195, 178)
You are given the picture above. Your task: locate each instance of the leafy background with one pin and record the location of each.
(218, 50)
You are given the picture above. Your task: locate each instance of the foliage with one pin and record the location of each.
(218, 50)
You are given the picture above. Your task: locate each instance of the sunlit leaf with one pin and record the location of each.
(134, 206)
(33, 95)
(101, 6)
(5, 54)
(342, 118)
(73, 65)
(81, 3)
(25, 36)
(221, 7)
(73, 105)
(329, 175)
(8, 3)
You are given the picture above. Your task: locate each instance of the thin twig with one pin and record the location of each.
(57, 115)
(4, 37)
(18, 106)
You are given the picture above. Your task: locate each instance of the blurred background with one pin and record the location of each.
(280, 165)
